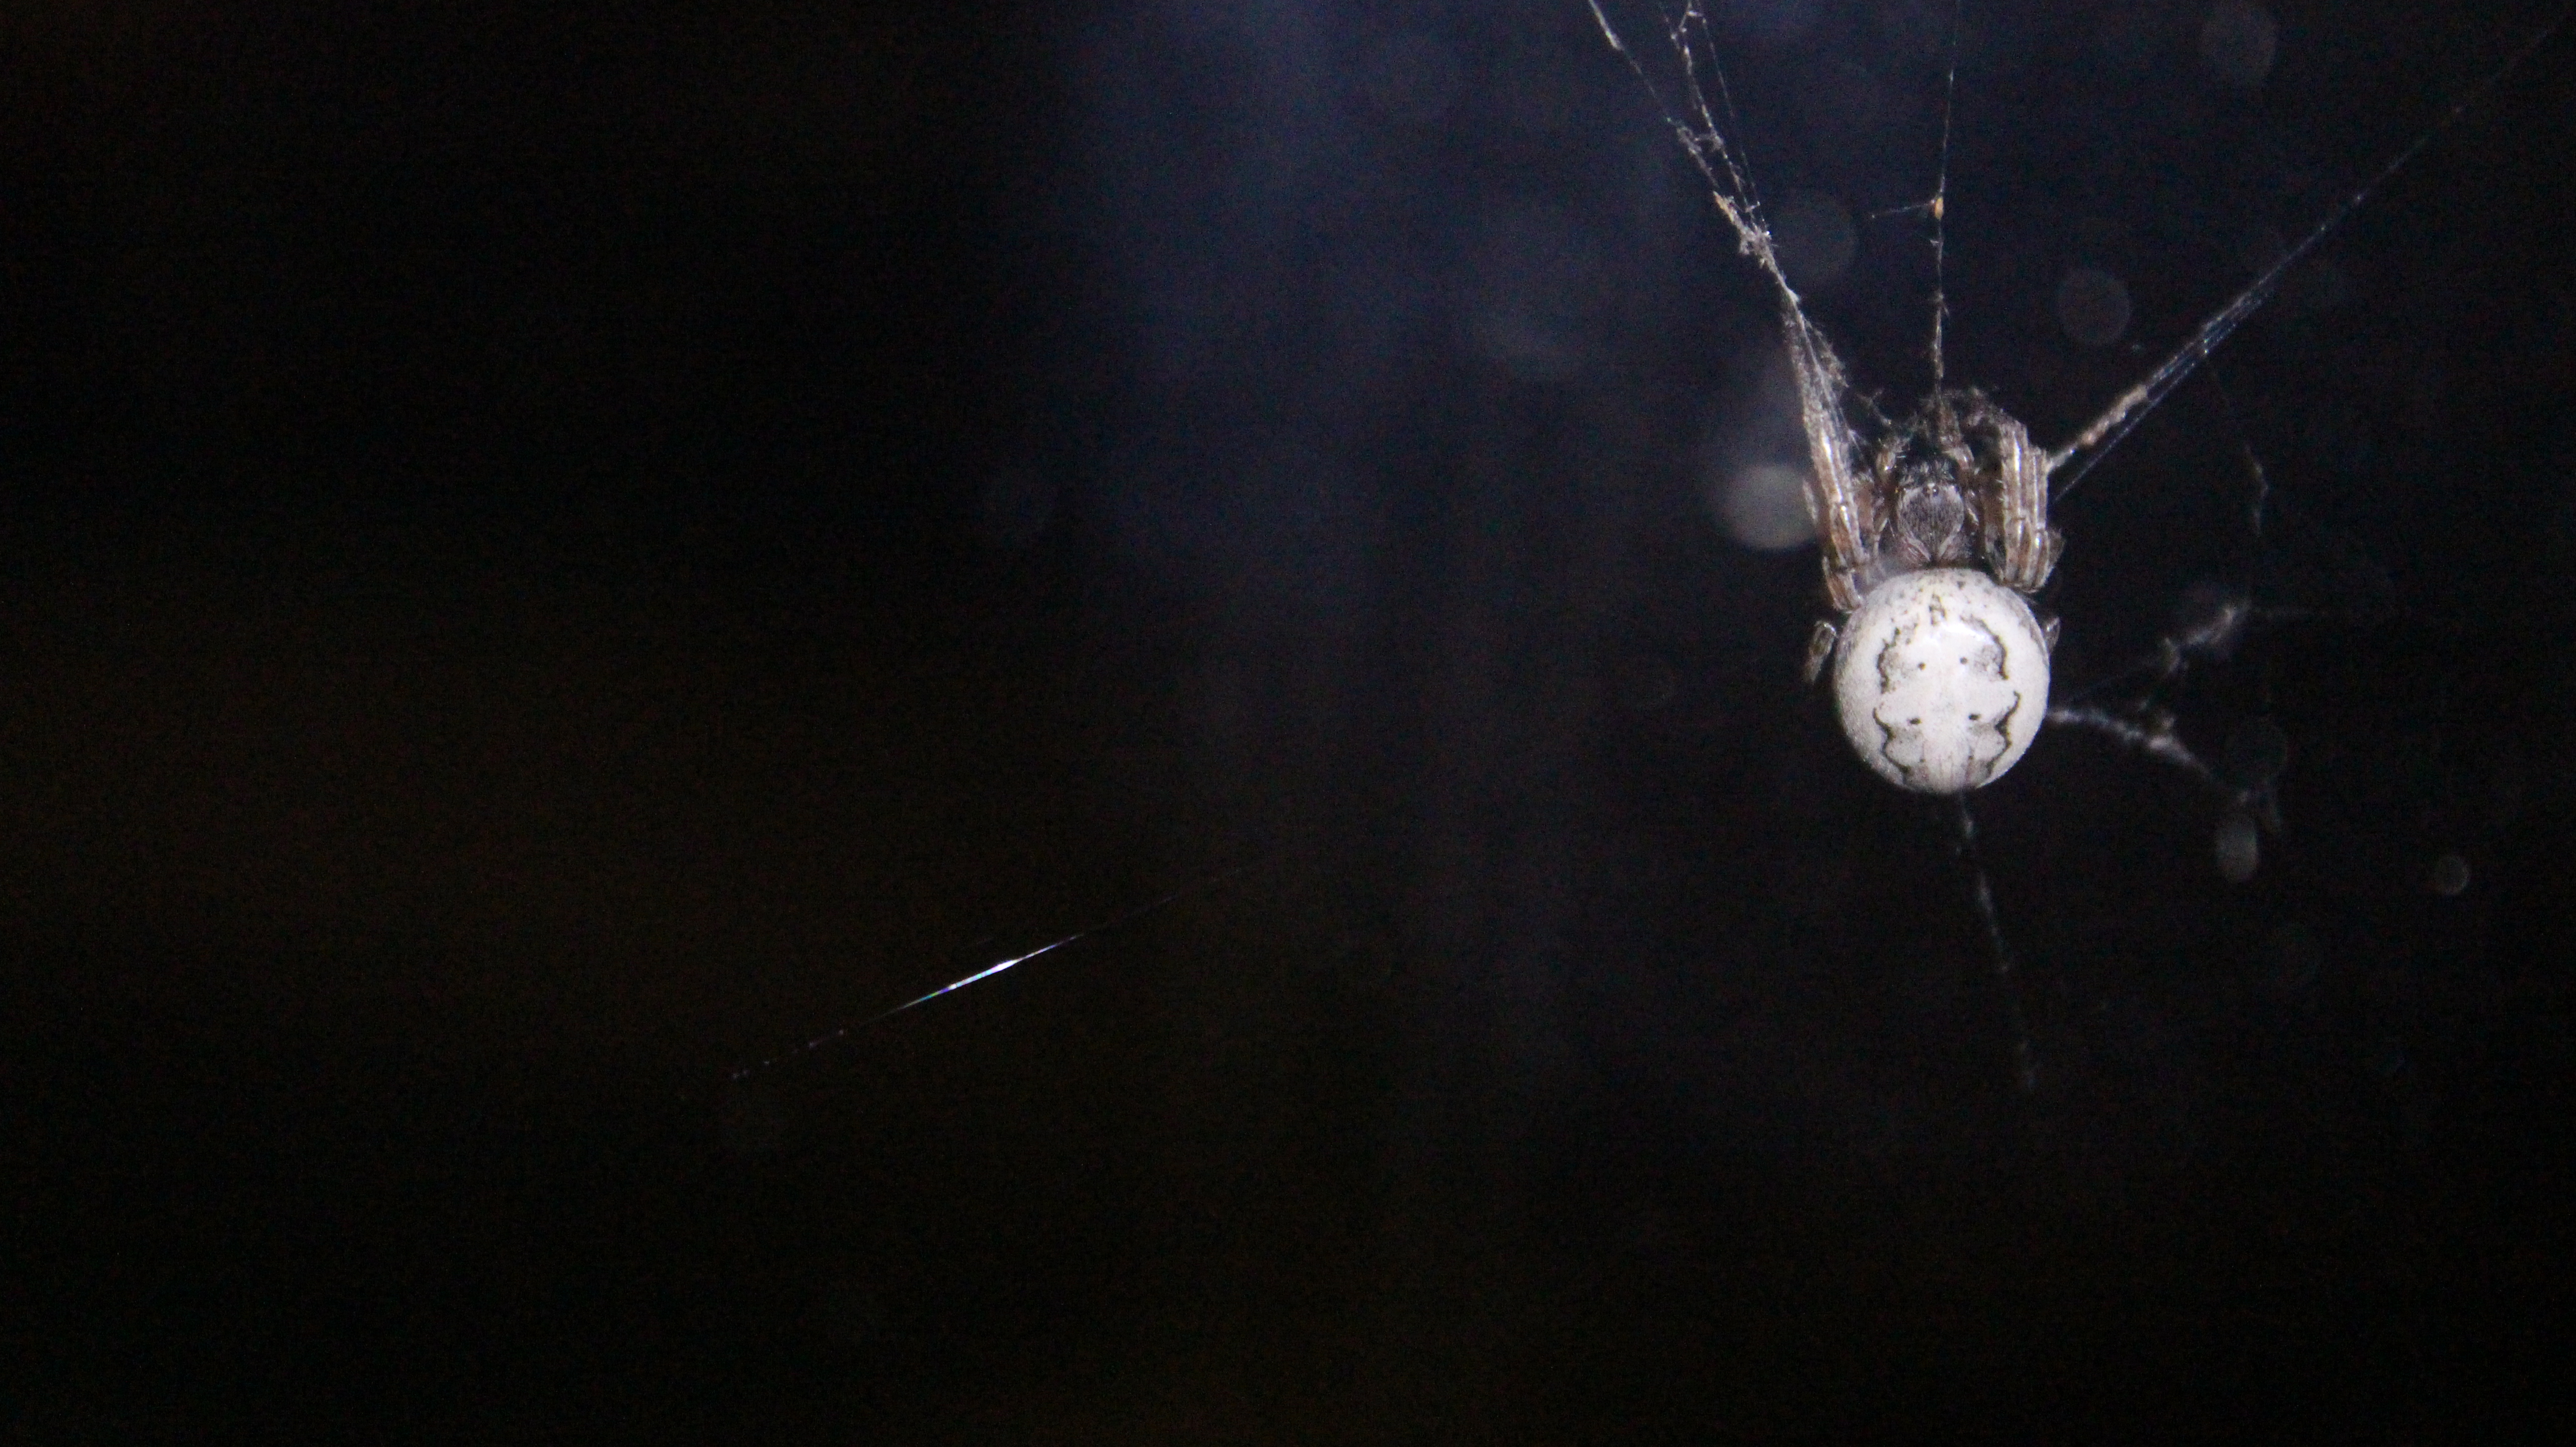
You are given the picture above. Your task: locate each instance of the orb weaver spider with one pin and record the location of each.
(1935, 536)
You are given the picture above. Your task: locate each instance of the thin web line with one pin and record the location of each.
(2007, 970)
(1941, 207)
(2096, 442)
(745, 1072)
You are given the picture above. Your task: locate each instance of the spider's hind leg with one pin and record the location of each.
(1820, 649)
(2278, 583)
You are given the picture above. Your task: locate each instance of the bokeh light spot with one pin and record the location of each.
(2093, 306)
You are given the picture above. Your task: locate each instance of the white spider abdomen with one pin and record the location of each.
(1941, 680)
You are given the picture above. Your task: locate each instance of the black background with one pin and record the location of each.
(552, 552)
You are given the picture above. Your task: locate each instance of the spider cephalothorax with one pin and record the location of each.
(1955, 487)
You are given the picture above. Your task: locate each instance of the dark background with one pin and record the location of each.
(550, 552)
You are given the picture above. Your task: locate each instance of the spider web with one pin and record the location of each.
(1823, 388)
(2318, 575)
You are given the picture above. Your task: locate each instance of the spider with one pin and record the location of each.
(1935, 539)
(1936, 543)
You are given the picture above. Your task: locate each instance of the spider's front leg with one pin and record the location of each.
(2020, 547)
(1841, 510)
